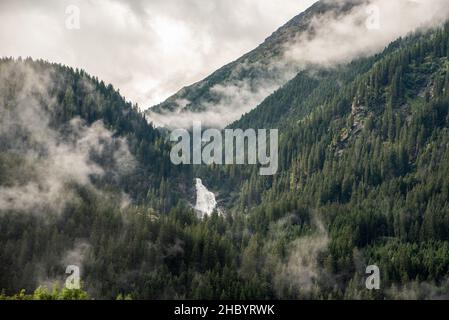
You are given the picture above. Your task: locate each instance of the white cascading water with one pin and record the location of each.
(205, 200)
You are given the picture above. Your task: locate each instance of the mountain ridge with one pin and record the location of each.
(253, 76)
(362, 181)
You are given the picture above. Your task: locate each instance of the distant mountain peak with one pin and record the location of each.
(238, 87)
(327, 34)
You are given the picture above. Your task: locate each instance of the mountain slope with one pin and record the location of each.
(42, 101)
(85, 181)
(363, 180)
(240, 86)
(328, 34)
(366, 161)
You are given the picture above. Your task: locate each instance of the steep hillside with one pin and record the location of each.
(43, 103)
(364, 153)
(241, 85)
(85, 181)
(362, 180)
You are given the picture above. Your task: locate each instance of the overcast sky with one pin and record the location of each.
(148, 49)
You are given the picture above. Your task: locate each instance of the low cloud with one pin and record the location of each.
(41, 164)
(331, 38)
(416, 290)
(77, 255)
(363, 31)
(234, 100)
(148, 49)
(299, 275)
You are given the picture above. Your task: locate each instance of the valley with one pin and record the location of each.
(88, 180)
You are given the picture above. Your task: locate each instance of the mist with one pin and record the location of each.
(300, 273)
(331, 38)
(44, 163)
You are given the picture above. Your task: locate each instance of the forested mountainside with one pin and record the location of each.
(254, 76)
(86, 181)
(364, 152)
(43, 101)
(363, 180)
(75, 160)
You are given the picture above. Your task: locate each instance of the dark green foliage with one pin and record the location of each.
(363, 179)
(369, 153)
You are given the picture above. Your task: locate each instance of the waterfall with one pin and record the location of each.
(205, 200)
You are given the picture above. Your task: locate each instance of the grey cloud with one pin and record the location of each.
(338, 39)
(332, 38)
(148, 49)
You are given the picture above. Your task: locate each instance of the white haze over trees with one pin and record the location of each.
(48, 164)
(148, 49)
